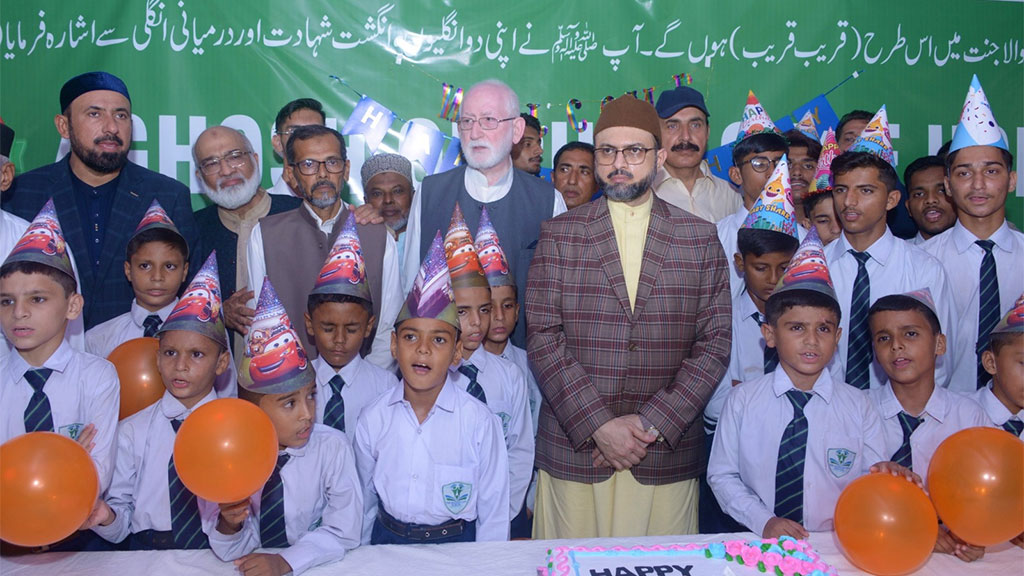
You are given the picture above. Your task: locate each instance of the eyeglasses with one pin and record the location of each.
(631, 154)
(234, 159)
(486, 123)
(310, 167)
(762, 164)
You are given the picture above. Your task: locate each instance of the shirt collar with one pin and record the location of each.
(663, 174)
(823, 386)
(937, 406)
(173, 409)
(879, 250)
(993, 407)
(348, 371)
(744, 306)
(139, 314)
(58, 361)
(478, 358)
(964, 239)
(322, 224)
(626, 213)
(446, 398)
(476, 182)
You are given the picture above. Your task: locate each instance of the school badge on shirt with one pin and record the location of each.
(71, 430)
(840, 461)
(456, 496)
(505, 420)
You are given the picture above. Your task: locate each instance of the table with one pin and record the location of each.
(519, 558)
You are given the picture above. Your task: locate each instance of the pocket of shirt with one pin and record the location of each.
(454, 491)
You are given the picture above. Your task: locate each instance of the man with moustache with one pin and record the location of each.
(289, 248)
(528, 153)
(629, 318)
(573, 173)
(100, 195)
(229, 173)
(803, 165)
(489, 125)
(927, 202)
(685, 180)
(298, 112)
(387, 185)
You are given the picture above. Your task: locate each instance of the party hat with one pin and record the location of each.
(874, 139)
(199, 309)
(1014, 319)
(492, 257)
(806, 126)
(463, 262)
(43, 242)
(755, 120)
(274, 362)
(808, 269)
(977, 125)
(431, 295)
(924, 296)
(829, 150)
(155, 217)
(774, 207)
(344, 271)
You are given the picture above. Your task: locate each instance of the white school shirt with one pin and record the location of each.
(139, 494)
(844, 440)
(917, 240)
(895, 267)
(479, 190)
(323, 506)
(746, 361)
(364, 383)
(390, 289)
(103, 338)
(453, 465)
(961, 257)
(507, 397)
(995, 411)
(82, 389)
(517, 356)
(946, 413)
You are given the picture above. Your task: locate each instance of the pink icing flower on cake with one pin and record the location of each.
(751, 555)
(791, 565)
(771, 560)
(734, 548)
(789, 544)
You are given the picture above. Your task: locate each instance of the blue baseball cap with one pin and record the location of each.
(87, 83)
(678, 98)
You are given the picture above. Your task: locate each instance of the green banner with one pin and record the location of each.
(192, 64)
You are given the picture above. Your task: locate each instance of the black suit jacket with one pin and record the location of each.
(106, 291)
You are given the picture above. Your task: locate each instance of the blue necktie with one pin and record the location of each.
(1014, 427)
(334, 412)
(186, 526)
(272, 526)
(789, 472)
(474, 387)
(38, 417)
(858, 352)
(988, 305)
(904, 456)
(770, 356)
(150, 325)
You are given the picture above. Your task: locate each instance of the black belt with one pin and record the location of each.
(420, 532)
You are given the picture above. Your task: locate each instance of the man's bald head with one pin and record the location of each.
(227, 169)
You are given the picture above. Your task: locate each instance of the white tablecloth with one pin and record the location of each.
(519, 558)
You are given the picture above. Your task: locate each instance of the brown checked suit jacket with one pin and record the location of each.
(595, 359)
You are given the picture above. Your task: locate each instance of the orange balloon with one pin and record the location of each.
(48, 486)
(976, 479)
(141, 385)
(226, 450)
(885, 525)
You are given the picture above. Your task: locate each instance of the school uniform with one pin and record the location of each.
(82, 389)
(139, 494)
(946, 413)
(893, 267)
(323, 506)
(997, 413)
(449, 472)
(962, 258)
(517, 356)
(506, 396)
(364, 382)
(103, 338)
(728, 235)
(844, 439)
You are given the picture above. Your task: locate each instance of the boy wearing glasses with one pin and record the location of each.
(290, 247)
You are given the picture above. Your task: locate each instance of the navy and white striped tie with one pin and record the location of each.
(38, 417)
(272, 525)
(789, 471)
(904, 456)
(988, 305)
(186, 525)
(474, 387)
(334, 412)
(858, 352)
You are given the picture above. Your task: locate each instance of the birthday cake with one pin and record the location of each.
(784, 556)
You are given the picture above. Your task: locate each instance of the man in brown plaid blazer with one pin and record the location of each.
(629, 320)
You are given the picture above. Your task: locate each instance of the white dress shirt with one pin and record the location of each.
(390, 289)
(82, 389)
(917, 240)
(945, 414)
(508, 398)
(411, 467)
(746, 360)
(961, 257)
(479, 190)
(745, 453)
(139, 494)
(995, 410)
(895, 267)
(517, 356)
(323, 506)
(711, 198)
(103, 338)
(364, 383)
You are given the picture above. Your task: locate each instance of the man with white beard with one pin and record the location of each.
(229, 174)
(517, 202)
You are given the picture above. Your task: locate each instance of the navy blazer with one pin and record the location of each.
(106, 291)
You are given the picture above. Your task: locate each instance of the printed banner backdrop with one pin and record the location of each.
(192, 64)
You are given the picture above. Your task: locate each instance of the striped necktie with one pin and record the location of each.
(988, 305)
(770, 356)
(150, 326)
(858, 352)
(38, 417)
(789, 472)
(272, 525)
(474, 387)
(904, 456)
(334, 412)
(1014, 426)
(186, 526)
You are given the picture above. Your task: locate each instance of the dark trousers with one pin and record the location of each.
(711, 518)
(389, 530)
